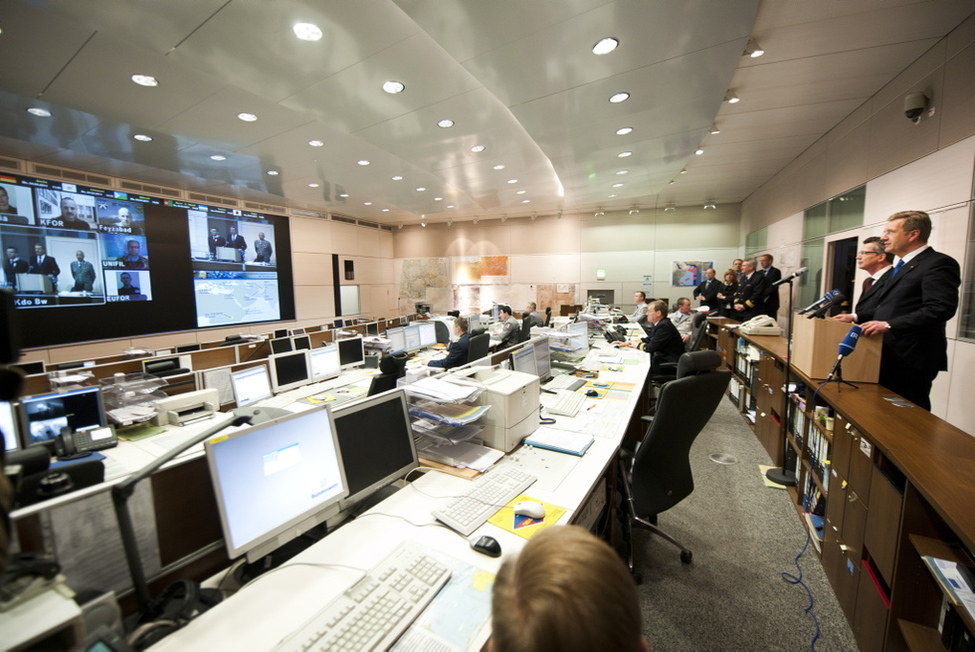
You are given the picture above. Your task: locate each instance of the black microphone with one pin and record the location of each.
(796, 274)
(847, 344)
(836, 300)
(819, 303)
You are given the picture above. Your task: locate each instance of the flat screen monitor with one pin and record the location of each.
(412, 335)
(523, 360)
(297, 331)
(428, 334)
(372, 329)
(251, 385)
(30, 368)
(302, 342)
(8, 426)
(188, 348)
(275, 481)
(339, 323)
(376, 441)
(473, 323)
(543, 356)
(324, 362)
(281, 345)
(579, 328)
(280, 332)
(45, 415)
(397, 338)
(350, 352)
(289, 370)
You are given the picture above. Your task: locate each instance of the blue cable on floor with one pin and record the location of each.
(792, 579)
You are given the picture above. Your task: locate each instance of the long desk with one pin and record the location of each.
(260, 615)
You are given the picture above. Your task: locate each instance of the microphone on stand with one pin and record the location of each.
(796, 274)
(836, 300)
(847, 344)
(820, 302)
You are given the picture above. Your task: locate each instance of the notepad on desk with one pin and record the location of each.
(573, 443)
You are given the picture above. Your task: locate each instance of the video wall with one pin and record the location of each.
(89, 263)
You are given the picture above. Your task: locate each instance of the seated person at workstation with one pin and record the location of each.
(639, 315)
(457, 350)
(510, 327)
(532, 313)
(662, 342)
(682, 318)
(566, 590)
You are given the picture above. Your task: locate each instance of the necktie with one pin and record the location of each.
(867, 284)
(897, 268)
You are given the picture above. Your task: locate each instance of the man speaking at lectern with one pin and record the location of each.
(913, 303)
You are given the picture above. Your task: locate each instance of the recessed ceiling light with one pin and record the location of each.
(438, 199)
(512, 180)
(683, 171)
(142, 137)
(621, 172)
(619, 97)
(317, 143)
(605, 45)
(39, 112)
(499, 166)
(145, 80)
(363, 162)
(478, 149)
(714, 130)
(420, 189)
(446, 123)
(393, 87)
(624, 154)
(397, 178)
(622, 131)
(343, 195)
(699, 151)
(617, 185)
(367, 203)
(521, 192)
(451, 206)
(218, 157)
(307, 31)
(385, 210)
(314, 185)
(273, 173)
(525, 201)
(753, 49)
(611, 196)
(247, 117)
(731, 98)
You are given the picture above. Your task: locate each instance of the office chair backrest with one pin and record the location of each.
(526, 329)
(163, 368)
(548, 317)
(698, 329)
(393, 364)
(478, 347)
(443, 333)
(381, 383)
(661, 469)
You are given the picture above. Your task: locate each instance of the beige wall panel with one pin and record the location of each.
(961, 367)
(616, 233)
(312, 268)
(941, 179)
(419, 242)
(785, 232)
(895, 140)
(546, 235)
(374, 242)
(694, 226)
(311, 234)
(367, 271)
(345, 238)
(386, 275)
(958, 98)
(619, 265)
(847, 161)
(314, 302)
(551, 268)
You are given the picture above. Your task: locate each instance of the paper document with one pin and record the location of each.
(573, 443)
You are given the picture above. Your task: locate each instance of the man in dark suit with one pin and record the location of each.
(663, 342)
(41, 263)
(877, 263)
(458, 350)
(750, 296)
(213, 241)
(707, 291)
(772, 275)
(913, 304)
(236, 240)
(13, 265)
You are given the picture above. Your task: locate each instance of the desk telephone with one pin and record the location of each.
(70, 445)
(761, 325)
(617, 334)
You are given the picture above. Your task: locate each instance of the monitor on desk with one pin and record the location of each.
(281, 345)
(376, 441)
(428, 333)
(45, 415)
(289, 370)
(543, 356)
(579, 328)
(275, 481)
(30, 368)
(397, 338)
(412, 335)
(473, 323)
(297, 331)
(251, 385)
(351, 353)
(372, 329)
(324, 362)
(523, 360)
(8, 425)
(302, 342)
(188, 348)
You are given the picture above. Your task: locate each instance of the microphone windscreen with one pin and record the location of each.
(850, 341)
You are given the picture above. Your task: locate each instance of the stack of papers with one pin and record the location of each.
(573, 443)
(440, 390)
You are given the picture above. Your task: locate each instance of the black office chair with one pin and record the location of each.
(393, 364)
(667, 371)
(443, 333)
(478, 347)
(657, 475)
(164, 368)
(548, 317)
(382, 382)
(526, 330)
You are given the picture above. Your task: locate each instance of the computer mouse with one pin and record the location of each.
(530, 508)
(487, 546)
(591, 392)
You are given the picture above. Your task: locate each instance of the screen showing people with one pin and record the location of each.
(185, 265)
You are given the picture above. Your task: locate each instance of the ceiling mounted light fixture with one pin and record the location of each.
(475, 219)
(731, 98)
(709, 204)
(504, 218)
(558, 215)
(247, 117)
(397, 178)
(622, 131)
(344, 195)
(521, 192)
(420, 189)
(753, 49)
(670, 207)
(634, 210)
(683, 171)
(534, 215)
(616, 98)
(438, 199)
(714, 130)
(423, 224)
(317, 143)
(599, 213)
(499, 166)
(39, 112)
(605, 45)
(218, 157)
(477, 149)
(699, 151)
(401, 225)
(617, 185)
(624, 154)
(449, 222)
(273, 173)
(363, 162)
(446, 123)
(307, 31)
(393, 87)
(145, 80)
(367, 203)
(622, 172)
(314, 185)
(143, 138)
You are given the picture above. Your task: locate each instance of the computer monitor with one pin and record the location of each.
(281, 345)
(188, 348)
(376, 441)
(473, 323)
(302, 342)
(289, 370)
(523, 360)
(45, 415)
(297, 331)
(579, 328)
(280, 332)
(543, 356)
(412, 335)
(275, 481)
(30, 368)
(324, 362)
(350, 352)
(251, 385)
(428, 333)
(339, 323)
(8, 425)
(397, 338)
(372, 329)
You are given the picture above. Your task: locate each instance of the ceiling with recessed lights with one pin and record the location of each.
(437, 110)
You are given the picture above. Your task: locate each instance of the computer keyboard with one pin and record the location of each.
(567, 403)
(487, 495)
(565, 381)
(377, 609)
(287, 398)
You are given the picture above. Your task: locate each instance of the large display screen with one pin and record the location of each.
(89, 263)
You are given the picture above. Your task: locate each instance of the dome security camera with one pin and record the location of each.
(914, 105)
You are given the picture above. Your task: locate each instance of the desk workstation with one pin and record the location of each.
(571, 485)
